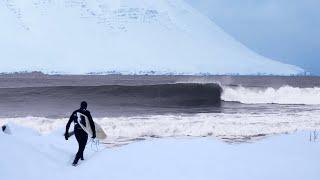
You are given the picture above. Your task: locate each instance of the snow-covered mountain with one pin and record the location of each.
(127, 36)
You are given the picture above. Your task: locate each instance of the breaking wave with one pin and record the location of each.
(228, 127)
(282, 95)
(166, 94)
(57, 100)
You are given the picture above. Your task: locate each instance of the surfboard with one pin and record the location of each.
(100, 134)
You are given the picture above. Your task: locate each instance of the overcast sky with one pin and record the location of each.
(284, 30)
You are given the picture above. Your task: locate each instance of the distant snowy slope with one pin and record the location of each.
(127, 36)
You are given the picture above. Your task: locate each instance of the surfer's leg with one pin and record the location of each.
(83, 143)
(77, 133)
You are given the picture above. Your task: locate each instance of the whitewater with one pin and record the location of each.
(231, 128)
(282, 95)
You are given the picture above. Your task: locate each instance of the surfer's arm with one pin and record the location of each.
(69, 123)
(92, 125)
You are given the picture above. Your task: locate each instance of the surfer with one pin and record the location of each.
(81, 135)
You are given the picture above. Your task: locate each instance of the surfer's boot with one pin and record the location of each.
(82, 158)
(75, 162)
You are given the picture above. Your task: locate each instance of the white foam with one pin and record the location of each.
(283, 95)
(235, 127)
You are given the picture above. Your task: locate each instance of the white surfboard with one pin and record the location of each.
(100, 134)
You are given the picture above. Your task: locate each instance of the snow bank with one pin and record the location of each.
(283, 95)
(26, 155)
(120, 36)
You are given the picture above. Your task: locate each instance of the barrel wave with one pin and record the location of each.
(57, 101)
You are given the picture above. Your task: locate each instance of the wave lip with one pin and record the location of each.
(282, 95)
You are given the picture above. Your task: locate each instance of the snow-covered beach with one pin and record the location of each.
(28, 155)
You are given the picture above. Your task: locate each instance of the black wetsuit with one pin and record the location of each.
(81, 135)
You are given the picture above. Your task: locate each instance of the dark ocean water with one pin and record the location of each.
(235, 108)
(115, 95)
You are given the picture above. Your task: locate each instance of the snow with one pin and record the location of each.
(129, 37)
(27, 155)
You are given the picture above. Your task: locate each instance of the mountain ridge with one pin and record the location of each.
(122, 36)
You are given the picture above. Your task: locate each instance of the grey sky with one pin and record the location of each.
(284, 30)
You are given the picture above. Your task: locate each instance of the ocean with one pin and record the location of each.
(130, 108)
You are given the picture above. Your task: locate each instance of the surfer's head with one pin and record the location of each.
(83, 105)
